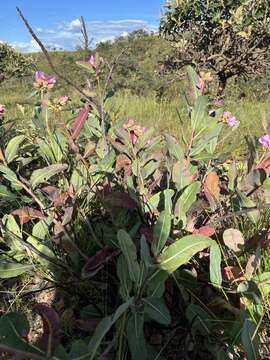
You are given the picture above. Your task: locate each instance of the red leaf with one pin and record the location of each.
(147, 232)
(123, 162)
(97, 262)
(205, 230)
(265, 165)
(51, 336)
(26, 214)
(79, 121)
(59, 199)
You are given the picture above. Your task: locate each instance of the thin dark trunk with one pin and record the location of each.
(222, 82)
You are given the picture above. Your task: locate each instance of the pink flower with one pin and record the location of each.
(51, 82)
(40, 76)
(44, 81)
(133, 137)
(2, 110)
(265, 141)
(229, 119)
(92, 61)
(63, 100)
(201, 86)
(134, 130)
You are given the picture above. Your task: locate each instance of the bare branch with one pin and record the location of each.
(46, 54)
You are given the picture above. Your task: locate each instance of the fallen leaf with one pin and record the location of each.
(234, 239)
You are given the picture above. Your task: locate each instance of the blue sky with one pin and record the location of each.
(57, 21)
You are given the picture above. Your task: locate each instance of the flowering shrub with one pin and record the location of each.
(44, 82)
(2, 110)
(144, 212)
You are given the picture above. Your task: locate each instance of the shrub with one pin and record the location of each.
(115, 209)
(12, 63)
(229, 38)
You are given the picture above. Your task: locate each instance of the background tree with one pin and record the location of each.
(12, 63)
(229, 37)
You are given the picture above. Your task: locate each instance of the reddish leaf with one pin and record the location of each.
(252, 264)
(231, 273)
(119, 199)
(67, 217)
(79, 121)
(212, 189)
(88, 325)
(118, 144)
(97, 262)
(265, 165)
(205, 230)
(27, 214)
(51, 336)
(59, 199)
(147, 232)
(123, 162)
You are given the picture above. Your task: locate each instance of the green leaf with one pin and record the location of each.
(156, 284)
(42, 175)
(104, 326)
(156, 309)
(263, 282)
(43, 249)
(13, 148)
(182, 250)
(250, 340)
(193, 79)
(53, 148)
(10, 175)
(175, 149)
(130, 252)
(123, 275)
(185, 201)
(161, 232)
(149, 168)
(135, 336)
(215, 265)
(5, 194)
(245, 202)
(79, 177)
(199, 113)
(11, 225)
(10, 270)
(86, 66)
(78, 349)
(200, 320)
(13, 327)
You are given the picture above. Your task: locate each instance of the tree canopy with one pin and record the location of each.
(228, 37)
(12, 63)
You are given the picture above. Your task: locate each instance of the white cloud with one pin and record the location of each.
(67, 35)
(75, 24)
(26, 47)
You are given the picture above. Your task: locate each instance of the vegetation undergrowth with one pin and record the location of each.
(128, 243)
